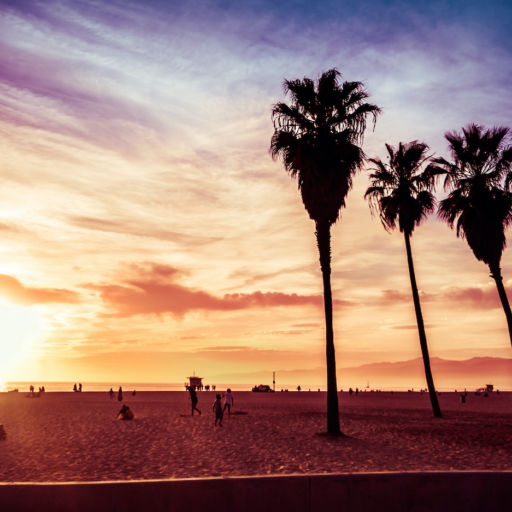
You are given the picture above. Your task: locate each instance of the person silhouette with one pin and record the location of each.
(229, 401)
(217, 409)
(194, 399)
(120, 394)
(125, 413)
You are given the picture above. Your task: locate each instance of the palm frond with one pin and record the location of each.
(480, 201)
(401, 190)
(318, 137)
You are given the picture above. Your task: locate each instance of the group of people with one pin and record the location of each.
(33, 392)
(119, 393)
(77, 389)
(218, 407)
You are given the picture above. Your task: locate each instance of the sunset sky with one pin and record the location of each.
(146, 233)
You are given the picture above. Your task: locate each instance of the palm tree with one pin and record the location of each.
(480, 201)
(318, 137)
(401, 192)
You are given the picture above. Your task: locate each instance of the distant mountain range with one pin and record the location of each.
(448, 374)
(471, 373)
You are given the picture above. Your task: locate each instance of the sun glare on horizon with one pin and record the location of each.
(21, 329)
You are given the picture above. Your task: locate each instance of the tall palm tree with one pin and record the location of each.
(401, 192)
(318, 136)
(480, 201)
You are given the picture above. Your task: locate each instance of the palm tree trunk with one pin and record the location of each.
(323, 237)
(496, 275)
(421, 331)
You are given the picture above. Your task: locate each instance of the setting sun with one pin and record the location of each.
(21, 328)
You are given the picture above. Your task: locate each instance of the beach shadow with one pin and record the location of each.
(341, 438)
(333, 437)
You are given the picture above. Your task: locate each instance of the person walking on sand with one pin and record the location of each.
(229, 401)
(120, 394)
(194, 400)
(217, 409)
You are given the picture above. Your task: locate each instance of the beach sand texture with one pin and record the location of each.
(75, 437)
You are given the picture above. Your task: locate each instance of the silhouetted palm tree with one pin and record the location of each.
(480, 203)
(401, 192)
(318, 137)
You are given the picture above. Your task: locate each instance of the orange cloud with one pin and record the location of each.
(410, 327)
(154, 291)
(15, 292)
(479, 298)
(390, 296)
(484, 298)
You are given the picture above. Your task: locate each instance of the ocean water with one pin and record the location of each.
(105, 386)
(128, 387)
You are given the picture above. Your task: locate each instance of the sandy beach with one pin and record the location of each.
(75, 437)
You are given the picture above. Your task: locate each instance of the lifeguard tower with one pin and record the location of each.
(195, 382)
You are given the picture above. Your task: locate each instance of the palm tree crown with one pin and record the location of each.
(479, 203)
(317, 137)
(401, 190)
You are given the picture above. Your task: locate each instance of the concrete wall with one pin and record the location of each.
(365, 492)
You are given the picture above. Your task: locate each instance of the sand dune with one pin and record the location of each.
(74, 436)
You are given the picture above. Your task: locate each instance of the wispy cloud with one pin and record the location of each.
(141, 230)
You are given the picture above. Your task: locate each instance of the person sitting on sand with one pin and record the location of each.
(217, 409)
(125, 413)
(193, 398)
(228, 401)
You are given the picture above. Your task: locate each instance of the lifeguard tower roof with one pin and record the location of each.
(195, 381)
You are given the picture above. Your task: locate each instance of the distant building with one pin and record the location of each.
(195, 382)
